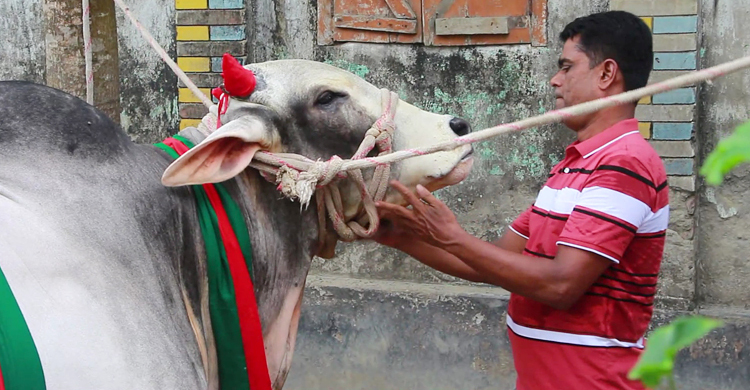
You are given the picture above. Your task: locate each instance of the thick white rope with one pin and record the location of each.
(86, 11)
(559, 115)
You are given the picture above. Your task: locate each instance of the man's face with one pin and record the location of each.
(575, 82)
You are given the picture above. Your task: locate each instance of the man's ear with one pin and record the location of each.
(222, 155)
(610, 72)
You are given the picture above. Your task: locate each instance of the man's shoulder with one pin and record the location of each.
(635, 154)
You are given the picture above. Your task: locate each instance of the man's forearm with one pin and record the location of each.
(533, 277)
(439, 259)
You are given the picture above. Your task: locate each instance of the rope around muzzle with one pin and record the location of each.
(299, 177)
(301, 182)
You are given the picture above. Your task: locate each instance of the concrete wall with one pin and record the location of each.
(148, 87)
(722, 213)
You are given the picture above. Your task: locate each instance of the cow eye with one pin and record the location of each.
(327, 97)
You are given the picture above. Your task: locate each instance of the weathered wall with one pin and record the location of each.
(22, 49)
(723, 223)
(486, 85)
(374, 318)
(148, 87)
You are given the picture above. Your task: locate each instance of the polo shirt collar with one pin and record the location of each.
(606, 137)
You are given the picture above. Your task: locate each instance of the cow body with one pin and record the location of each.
(107, 264)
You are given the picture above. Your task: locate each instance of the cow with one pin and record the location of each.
(107, 263)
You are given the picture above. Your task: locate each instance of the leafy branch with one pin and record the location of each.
(657, 360)
(729, 153)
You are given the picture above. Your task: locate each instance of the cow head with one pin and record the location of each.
(317, 110)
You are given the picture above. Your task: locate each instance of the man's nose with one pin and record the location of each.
(555, 80)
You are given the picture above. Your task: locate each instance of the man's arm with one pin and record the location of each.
(557, 282)
(448, 263)
(510, 241)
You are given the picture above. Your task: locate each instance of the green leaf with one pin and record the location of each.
(729, 153)
(657, 360)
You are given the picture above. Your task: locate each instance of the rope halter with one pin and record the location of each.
(380, 135)
(298, 177)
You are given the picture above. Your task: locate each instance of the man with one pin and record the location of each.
(581, 263)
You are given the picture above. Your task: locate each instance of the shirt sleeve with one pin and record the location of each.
(521, 225)
(617, 199)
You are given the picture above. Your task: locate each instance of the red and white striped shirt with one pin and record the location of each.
(608, 196)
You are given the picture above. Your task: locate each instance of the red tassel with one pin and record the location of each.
(216, 92)
(238, 81)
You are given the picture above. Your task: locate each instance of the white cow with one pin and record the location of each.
(108, 265)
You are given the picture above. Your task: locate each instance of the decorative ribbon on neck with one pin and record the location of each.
(20, 366)
(232, 305)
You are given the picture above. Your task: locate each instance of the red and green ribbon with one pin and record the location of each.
(20, 367)
(232, 304)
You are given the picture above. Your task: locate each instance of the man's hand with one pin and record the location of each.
(428, 219)
(390, 234)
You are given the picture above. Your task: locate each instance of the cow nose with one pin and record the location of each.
(460, 126)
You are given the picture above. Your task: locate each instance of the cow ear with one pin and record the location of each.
(221, 156)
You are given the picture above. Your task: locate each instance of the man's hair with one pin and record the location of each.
(617, 35)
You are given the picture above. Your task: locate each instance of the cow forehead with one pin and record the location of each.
(282, 80)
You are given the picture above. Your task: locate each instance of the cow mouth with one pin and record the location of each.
(456, 175)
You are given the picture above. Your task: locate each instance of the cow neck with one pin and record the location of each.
(235, 319)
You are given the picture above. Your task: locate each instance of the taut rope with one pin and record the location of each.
(86, 11)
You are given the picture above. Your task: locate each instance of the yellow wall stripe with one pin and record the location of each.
(187, 97)
(194, 64)
(645, 129)
(192, 33)
(191, 4)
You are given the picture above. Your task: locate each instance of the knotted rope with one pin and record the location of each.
(299, 177)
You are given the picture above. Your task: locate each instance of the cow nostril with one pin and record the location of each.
(460, 126)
